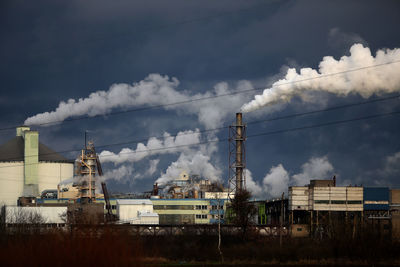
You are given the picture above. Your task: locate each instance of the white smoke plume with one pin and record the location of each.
(153, 166)
(121, 173)
(154, 146)
(278, 179)
(252, 186)
(366, 82)
(194, 163)
(154, 90)
(315, 168)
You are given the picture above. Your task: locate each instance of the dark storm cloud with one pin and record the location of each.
(52, 51)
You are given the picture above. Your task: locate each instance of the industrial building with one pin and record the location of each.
(190, 211)
(28, 167)
(136, 211)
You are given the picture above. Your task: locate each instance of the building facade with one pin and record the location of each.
(27, 167)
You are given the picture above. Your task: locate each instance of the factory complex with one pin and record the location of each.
(39, 186)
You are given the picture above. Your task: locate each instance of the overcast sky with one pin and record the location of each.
(83, 58)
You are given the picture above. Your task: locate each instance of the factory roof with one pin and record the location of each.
(13, 150)
(134, 202)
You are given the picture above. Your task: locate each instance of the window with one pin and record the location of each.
(113, 207)
(201, 207)
(338, 201)
(174, 207)
(321, 201)
(201, 216)
(354, 202)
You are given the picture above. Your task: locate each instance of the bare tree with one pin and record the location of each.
(242, 211)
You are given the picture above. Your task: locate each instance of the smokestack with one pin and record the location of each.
(239, 152)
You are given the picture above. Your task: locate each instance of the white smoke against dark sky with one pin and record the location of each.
(315, 168)
(154, 146)
(154, 90)
(123, 172)
(153, 166)
(252, 186)
(193, 163)
(192, 159)
(366, 82)
(278, 179)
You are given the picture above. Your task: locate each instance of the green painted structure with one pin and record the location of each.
(31, 162)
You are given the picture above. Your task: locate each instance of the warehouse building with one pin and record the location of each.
(28, 167)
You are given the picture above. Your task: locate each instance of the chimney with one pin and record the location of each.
(239, 152)
(31, 160)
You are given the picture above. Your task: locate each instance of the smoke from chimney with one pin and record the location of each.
(365, 82)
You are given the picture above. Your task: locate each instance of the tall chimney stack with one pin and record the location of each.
(239, 152)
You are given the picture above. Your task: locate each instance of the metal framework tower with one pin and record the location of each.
(88, 167)
(237, 156)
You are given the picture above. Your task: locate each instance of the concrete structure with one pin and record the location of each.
(136, 211)
(28, 167)
(35, 215)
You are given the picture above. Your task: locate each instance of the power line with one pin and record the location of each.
(327, 109)
(251, 136)
(204, 98)
(394, 97)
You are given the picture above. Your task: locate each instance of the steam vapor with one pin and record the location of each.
(154, 146)
(366, 82)
(154, 90)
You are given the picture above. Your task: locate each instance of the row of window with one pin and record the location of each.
(180, 207)
(338, 202)
(173, 207)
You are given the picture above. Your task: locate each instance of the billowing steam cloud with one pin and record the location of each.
(278, 178)
(152, 91)
(195, 160)
(365, 82)
(195, 163)
(154, 146)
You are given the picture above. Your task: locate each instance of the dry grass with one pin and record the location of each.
(106, 247)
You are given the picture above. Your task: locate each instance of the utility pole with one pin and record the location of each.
(281, 221)
(219, 229)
